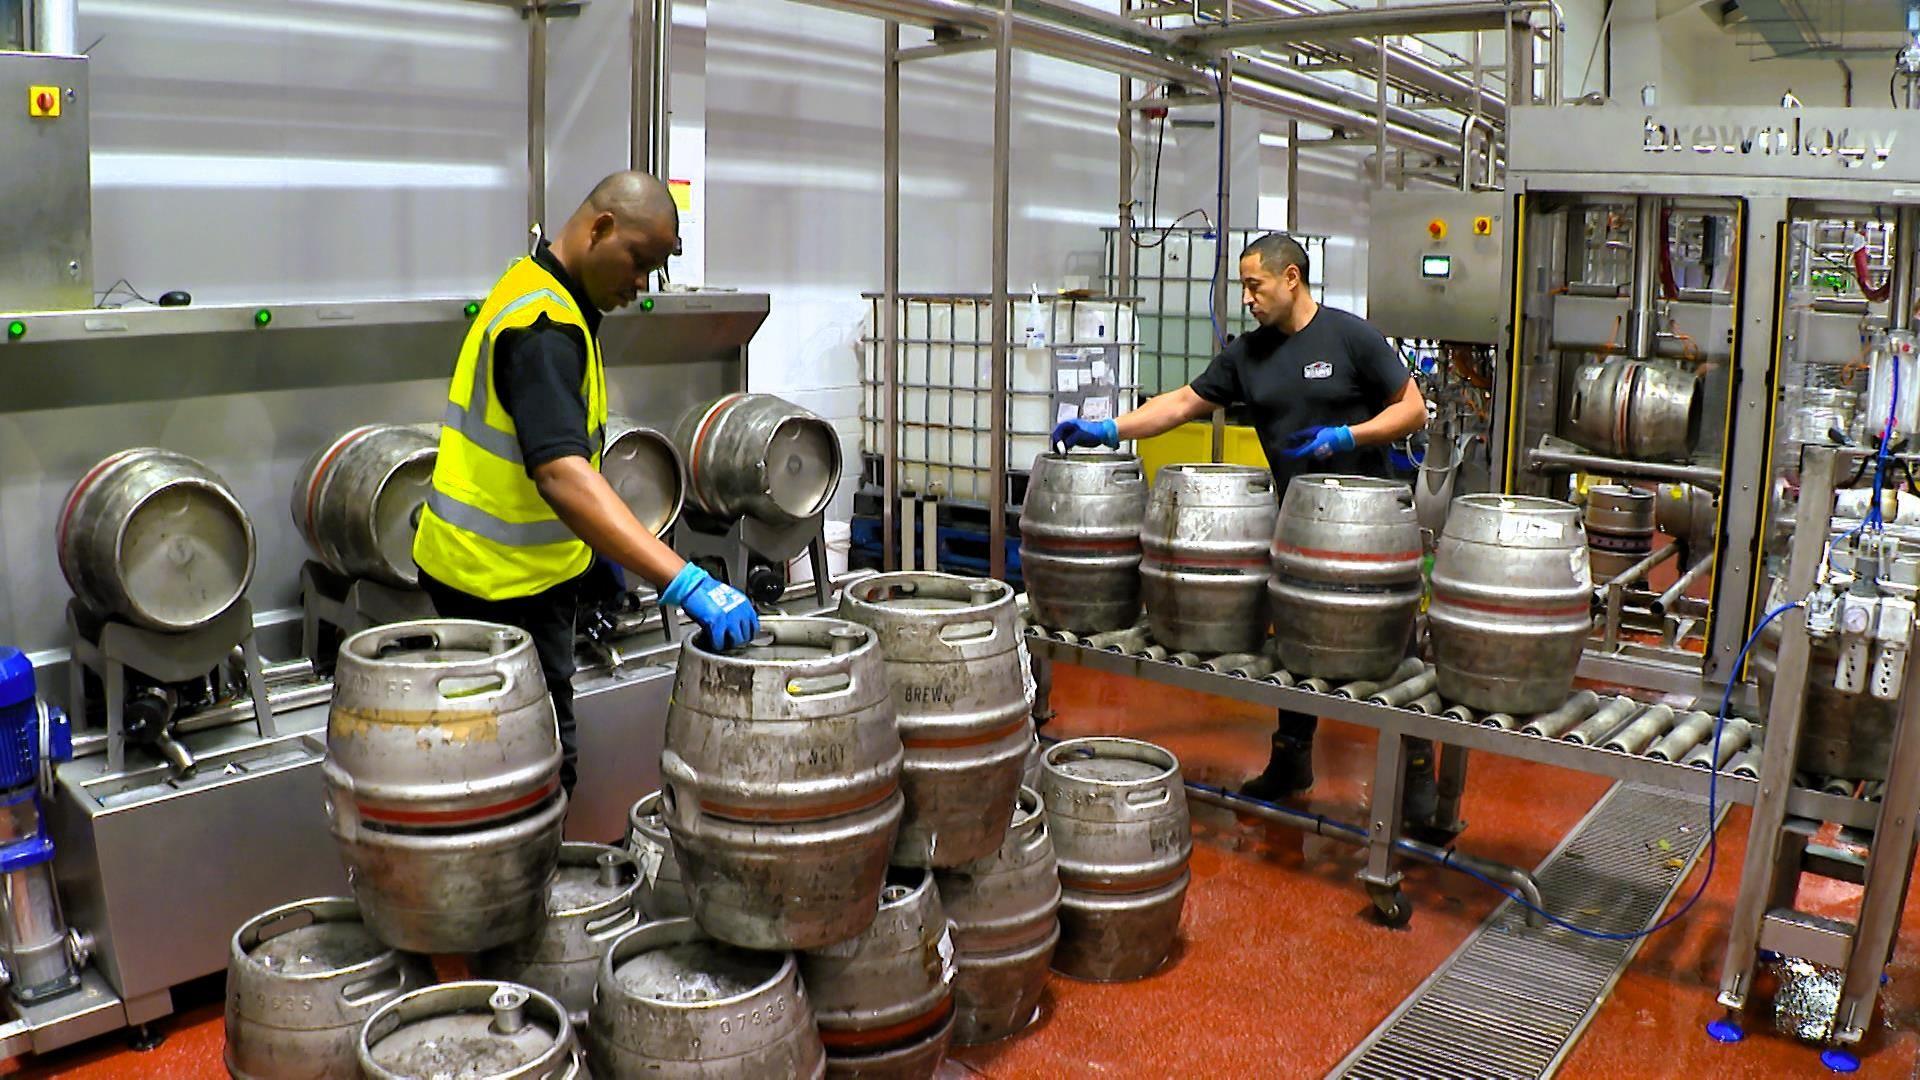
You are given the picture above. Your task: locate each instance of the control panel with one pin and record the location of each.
(46, 232)
(1435, 265)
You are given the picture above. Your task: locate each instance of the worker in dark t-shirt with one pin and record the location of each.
(1327, 394)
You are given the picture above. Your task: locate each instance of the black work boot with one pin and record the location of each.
(1420, 800)
(1289, 771)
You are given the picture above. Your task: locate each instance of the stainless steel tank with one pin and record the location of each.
(1346, 576)
(754, 455)
(1841, 735)
(644, 468)
(782, 783)
(1117, 812)
(662, 894)
(357, 501)
(953, 660)
(1638, 409)
(1619, 524)
(1204, 565)
(1512, 603)
(1005, 911)
(302, 979)
(155, 538)
(677, 1005)
(443, 783)
(478, 1030)
(1080, 541)
(884, 1000)
(591, 900)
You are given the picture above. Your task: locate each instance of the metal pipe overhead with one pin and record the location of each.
(1337, 27)
(1278, 74)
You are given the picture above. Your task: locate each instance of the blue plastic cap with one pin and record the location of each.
(16, 677)
(1725, 1031)
(32, 851)
(1839, 1061)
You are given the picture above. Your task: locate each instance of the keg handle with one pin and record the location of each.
(969, 632)
(1129, 475)
(384, 981)
(285, 922)
(496, 683)
(1148, 798)
(612, 926)
(819, 685)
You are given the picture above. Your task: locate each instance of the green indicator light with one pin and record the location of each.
(646, 305)
(472, 308)
(262, 317)
(16, 330)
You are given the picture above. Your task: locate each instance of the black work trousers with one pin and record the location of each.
(548, 619)
(1295, 731)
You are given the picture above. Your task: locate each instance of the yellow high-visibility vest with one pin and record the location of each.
(485, 530)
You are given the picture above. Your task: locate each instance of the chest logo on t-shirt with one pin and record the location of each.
(1319, 369)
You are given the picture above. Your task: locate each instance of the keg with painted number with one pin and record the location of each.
(591, 900)
(1346, 576)
(644, 468)
(1619, 524)
(1204, 564)
(884, 1000)
(1640, 409)
(1117, 814)
(357, 501)
(662, 894)
(754, 455)
(675, 1004)
(1512, 603)
(1005, 913)
(1080, 540)
(782, 782)
(157, 539)
(302, 979)
(443, 782)
(953, 660)
(478, 1030)
(1841, 735)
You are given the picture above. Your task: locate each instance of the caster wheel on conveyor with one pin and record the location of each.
(145, 1037)
(1390, 906)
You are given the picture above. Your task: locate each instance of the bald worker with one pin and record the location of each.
(519, 509)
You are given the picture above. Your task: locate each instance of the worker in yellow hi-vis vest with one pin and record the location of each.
(519, 508)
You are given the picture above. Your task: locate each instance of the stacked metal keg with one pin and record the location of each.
(1203, 572)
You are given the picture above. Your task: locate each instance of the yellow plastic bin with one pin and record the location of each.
(1194, 442)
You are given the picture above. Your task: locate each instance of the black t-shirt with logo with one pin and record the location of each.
(1337, 370)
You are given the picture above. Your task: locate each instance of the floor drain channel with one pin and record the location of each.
(1510, 1002)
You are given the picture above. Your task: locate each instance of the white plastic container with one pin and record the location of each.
(839, 544)
(1891, 349)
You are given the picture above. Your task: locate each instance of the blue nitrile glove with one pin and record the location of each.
(721, 610)
(1318, 443)
(1074, 434)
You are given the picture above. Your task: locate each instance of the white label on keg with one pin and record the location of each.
(947, 968)
(650, 865)
(1578, 560)
(1027, 687)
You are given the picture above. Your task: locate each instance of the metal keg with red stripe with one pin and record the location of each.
(357, 501)
(1203, 571)
(1080, 541)
(1512, 602)
(443, 783)
(1346, 576)
(1005, 910)
(1117, 810)
(781, 776)
(953, 660)
(884, 1001)
(155, 538)
(757, 456)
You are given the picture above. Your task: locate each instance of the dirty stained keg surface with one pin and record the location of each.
(461, 1046)
(576, 887)
(697, 971)
(328, 946)
(1109, 769)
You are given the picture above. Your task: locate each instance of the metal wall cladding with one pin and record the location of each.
(155, 538)
(357, 500)
(884, 1000)
(1512, 603)
(754, 455)
(1346, 576)
(782, 772)
(1841, 735)
(1619, 524)
(662, 894)
(1117, 812)
(645, 469)
(676, 1004)
(1005, 912)
(302, 980)
(479, 1029)
(1636, 408)
(1204, 565)
(443, 783)
(591, 901)
(954, 663)
(1080, 540)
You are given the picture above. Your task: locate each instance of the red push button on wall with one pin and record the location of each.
(43, 101)
(1437, 229)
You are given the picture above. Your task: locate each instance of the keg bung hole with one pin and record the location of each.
(509, 1005)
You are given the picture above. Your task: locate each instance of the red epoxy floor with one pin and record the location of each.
(1280, 972)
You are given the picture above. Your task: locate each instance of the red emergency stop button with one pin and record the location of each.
(43, 101)
(1437, 229)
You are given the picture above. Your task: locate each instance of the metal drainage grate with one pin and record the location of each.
(1511, 1000)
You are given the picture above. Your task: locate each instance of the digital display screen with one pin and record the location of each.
(1436, 266)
